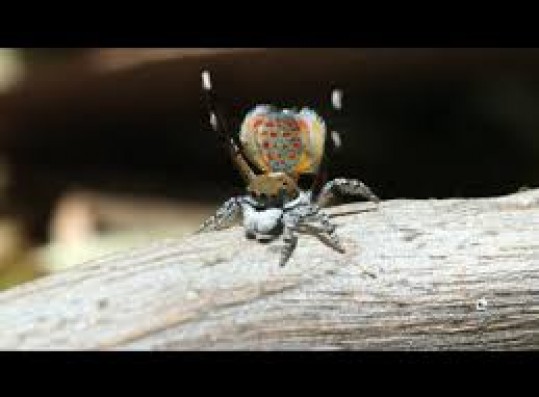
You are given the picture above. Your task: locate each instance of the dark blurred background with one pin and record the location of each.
(101, 149)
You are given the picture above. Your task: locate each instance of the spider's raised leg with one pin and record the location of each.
(336, 103)
(219, 125)
(345, 186)
(332, 145)
(224, 217)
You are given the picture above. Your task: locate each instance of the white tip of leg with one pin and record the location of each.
(206, 80)
(336, 99)
(213, 121)
(336, 138)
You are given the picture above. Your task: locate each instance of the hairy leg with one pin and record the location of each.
(353, 187)
(290, 241)
(307, 218)
(224, 217)
(320, 225)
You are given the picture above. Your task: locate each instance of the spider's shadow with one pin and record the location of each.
(265, 241)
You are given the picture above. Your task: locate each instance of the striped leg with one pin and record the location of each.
(320, 225)
(307, 218)
(224, 217)
(345, 186)
(332, 146)
(290, 241)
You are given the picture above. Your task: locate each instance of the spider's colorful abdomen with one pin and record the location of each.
(283, 140)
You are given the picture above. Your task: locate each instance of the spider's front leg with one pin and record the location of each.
(353, 187)
(224, 217)
(319, 225)
(307, 218)
(290, 241)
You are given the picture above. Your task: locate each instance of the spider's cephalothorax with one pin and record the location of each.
(273, 189)
(277, 147)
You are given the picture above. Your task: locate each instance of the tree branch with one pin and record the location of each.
(417, 274)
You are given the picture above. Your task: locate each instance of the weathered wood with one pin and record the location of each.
(418, 274)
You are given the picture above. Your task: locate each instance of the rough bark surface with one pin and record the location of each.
(417, 274)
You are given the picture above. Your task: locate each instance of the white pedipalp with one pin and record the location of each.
(261, 221)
